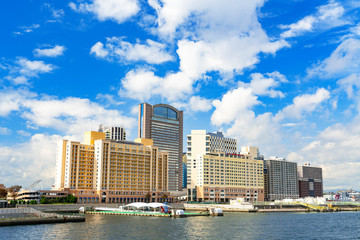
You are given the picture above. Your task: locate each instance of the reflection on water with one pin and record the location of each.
(231, 226)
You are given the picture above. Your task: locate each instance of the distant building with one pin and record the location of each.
(184, 171)
(280, 179)
(200, 142)
(113, 132)
(164, 125)
(310, 181)
(225, 176)
(109, 171)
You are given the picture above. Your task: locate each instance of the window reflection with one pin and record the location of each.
(165, 112)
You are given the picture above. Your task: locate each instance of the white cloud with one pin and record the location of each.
(27, 29)
(234, 104)
(227, 55)
(195, 104)
(263, 85)
(24, 69)
(72, 116)
(114, 10)
(29, 161)
(335, 149)
(108, 99)
(10, 100)
(350, 84)
(213, 37)
(303, 104)
(50, 52)
(5, 131)
(326, 16)
(344, 60)
(115, 48)
(142, 84)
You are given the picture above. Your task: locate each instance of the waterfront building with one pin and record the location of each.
(280, 179)
(225, 176)
(113, 132)
(310, 181)
(164, 125)
(200, 142)
(102, 170)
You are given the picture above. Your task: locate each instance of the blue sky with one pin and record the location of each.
(280, 75)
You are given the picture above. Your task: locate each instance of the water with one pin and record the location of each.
(340, 225)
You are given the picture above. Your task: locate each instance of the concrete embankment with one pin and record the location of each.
(24, 216)
(265, 208)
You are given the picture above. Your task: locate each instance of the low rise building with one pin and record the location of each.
(224, 176)
(109, 171)
(310, 181)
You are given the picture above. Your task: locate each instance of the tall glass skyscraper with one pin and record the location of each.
(164, 125)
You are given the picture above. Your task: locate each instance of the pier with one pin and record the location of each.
(25, 216)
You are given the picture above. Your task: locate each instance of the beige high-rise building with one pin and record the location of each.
(200, 142)
(103, 170)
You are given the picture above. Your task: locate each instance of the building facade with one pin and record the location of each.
(164, 125)
(200, 142)
(310, 181)
(280, 179)
(223, 176)
(111, 171)
(116, 133)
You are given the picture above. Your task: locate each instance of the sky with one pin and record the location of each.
(280, 75)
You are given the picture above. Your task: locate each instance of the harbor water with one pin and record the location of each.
(339, 225)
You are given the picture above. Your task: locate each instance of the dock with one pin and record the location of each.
(149, 214)
(27, 216)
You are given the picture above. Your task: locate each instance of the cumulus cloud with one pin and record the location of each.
(303, 104)
(4, 131)
(344, 60)
(234, 104)
(210, 36)
(262, 85)
(328, 149)
(24, 69)
(116, 49)
(142, 84)
(195, 104)
(29, 161)
(114, 10)
(11, 100)
(326, 16)
(50, 52)
(71, 116)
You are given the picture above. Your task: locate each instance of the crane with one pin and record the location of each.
(33, 185)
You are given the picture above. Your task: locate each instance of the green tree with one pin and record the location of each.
(3, 193)
(43, 200)
(14, 190)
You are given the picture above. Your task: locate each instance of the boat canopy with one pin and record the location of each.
(149, 205)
